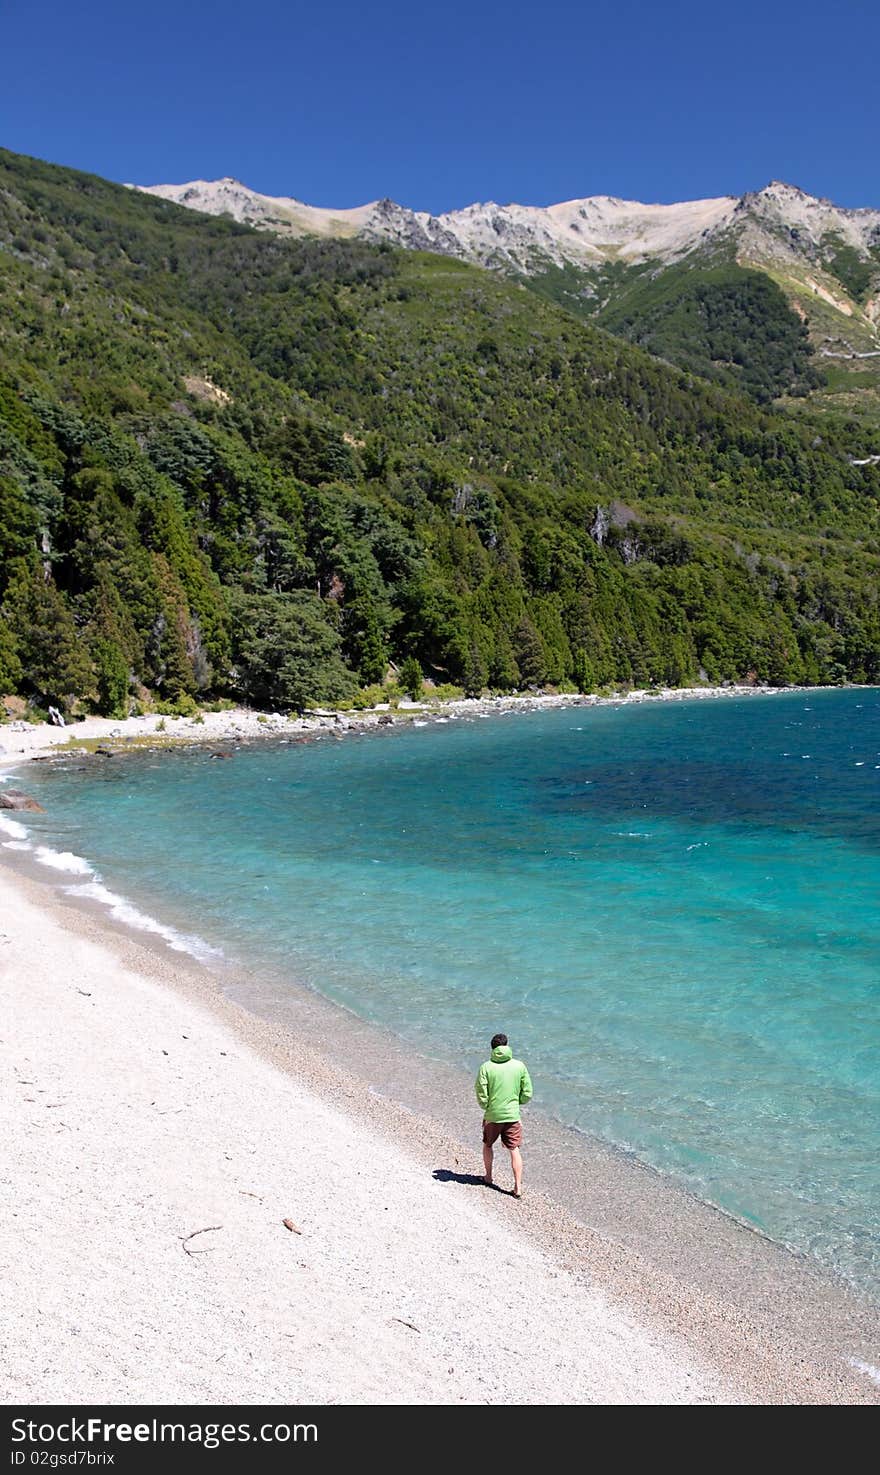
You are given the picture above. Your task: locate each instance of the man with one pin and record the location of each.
(503, 1085)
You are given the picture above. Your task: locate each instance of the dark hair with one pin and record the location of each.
(498, 1040)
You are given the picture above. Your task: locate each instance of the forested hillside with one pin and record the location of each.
(724, 323)
(236, 464)
(713, 318)
(773, 293)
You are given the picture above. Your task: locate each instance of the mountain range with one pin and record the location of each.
(291, 468)
(671, 277)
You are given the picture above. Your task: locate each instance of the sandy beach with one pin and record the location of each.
(137, 1120)
(21, 740)
(158, 1136)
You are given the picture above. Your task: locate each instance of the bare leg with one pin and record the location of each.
(516, 1164)
(487, 1161)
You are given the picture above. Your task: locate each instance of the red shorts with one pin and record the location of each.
(509, 1132)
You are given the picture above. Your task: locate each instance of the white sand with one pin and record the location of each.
(135, 1117)
(21, 740)
(26, 740)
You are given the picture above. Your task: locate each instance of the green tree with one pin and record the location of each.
(503, 670)
(529, 651)
(583, 674)
(111, 678)
(364, 642)
(55, 667)
(18, 527)
(10, 665)
(411, 678)
(475, 670)
(172, 637)
(314, 452)
(288, 654)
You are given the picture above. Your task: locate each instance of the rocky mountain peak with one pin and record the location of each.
(528, 238)
(779, 229)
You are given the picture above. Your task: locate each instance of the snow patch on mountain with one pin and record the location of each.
(778, 224)
(284, 215)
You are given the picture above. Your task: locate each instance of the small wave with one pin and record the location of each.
(17, 845)
(125, 912)
(698, 845)
(867, 1368)
(13, 828)
(63, 860)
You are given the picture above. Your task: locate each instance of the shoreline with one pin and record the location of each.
(20, 740)
(762, 1324)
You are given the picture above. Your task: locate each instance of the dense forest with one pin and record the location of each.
(234, 465)
(730, 324)
(725, 323)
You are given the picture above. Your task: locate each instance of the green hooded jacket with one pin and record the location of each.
(503, 1085)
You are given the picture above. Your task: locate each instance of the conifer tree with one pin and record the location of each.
(55, 666)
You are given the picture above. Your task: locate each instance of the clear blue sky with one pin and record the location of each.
(438, 105)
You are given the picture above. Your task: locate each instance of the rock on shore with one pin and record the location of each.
(15, 799)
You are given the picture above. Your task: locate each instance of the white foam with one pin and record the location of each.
(71, 864)
(866, 1367)
(63, 860)
(123, 911)
(13, 828)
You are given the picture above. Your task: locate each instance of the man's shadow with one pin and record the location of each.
(475, 1180)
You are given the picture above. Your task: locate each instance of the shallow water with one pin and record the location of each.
(672, 909)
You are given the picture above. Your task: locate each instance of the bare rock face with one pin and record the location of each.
(779, 227)
(414, 230)
(15, 799)
(780, 222)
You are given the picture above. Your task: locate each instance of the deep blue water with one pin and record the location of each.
(672, 909)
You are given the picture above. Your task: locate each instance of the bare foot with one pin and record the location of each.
(516, 1193)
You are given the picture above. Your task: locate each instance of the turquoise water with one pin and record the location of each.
(671, 908)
